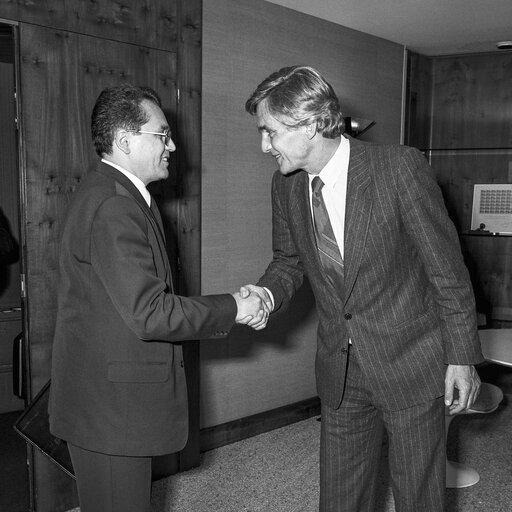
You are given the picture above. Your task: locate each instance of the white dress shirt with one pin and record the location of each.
(334, 176)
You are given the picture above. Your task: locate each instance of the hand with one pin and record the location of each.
(465, 379)
(252, 311)
(265, 297)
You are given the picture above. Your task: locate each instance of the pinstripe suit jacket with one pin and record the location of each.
(118, 383)
(407, 303)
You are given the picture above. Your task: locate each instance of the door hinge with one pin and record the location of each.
(16, 110)
(23, 287)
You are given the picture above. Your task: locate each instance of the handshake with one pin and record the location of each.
(254, 306)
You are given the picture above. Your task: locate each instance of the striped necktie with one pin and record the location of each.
(328, 249)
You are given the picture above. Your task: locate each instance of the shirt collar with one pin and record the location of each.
(136, 181)
(337, 167)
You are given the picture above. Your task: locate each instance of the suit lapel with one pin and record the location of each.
(114, 174)
(158, 219)
(152, 213)
(358, 213)
(300, 207)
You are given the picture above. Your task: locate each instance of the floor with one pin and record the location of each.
(277, 471)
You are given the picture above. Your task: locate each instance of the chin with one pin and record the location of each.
(287, 170)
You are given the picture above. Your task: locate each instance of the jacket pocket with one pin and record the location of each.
(426, 319)
(119, 371)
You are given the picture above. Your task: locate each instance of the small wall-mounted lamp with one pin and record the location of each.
(504, 45)
(355, 126)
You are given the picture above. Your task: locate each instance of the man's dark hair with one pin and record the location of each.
(298, 96)
(119, 108)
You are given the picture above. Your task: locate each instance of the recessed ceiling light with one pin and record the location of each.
(504, 45)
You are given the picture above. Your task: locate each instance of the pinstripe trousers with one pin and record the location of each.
(350, 448)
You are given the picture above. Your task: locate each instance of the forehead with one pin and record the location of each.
(266, 121)
(156, 116)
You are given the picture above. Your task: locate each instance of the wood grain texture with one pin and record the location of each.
(418, 101)
(472, 101)
(486, 258)
(150, 23)
(471, 143)
(188, 218)
(244, 41)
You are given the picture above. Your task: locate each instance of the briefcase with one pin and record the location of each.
(34, 426)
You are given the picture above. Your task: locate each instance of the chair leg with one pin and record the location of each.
(458, 475)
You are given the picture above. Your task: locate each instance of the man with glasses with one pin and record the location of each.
(118, 393)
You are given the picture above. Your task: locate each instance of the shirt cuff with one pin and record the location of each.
(271, 296)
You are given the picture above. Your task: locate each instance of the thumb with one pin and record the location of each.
(245, 291)
(448, 393)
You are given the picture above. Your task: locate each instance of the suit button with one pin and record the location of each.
(348, 316)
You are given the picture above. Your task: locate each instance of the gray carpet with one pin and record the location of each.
(273, 472)
(278, 471)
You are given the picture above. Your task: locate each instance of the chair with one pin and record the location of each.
(458, 475)
(497, 345)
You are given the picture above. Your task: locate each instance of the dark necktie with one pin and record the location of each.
(328, 249)
(158, 219)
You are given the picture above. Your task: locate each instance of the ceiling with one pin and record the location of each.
(429, 27)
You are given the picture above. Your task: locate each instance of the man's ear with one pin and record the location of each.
(122, 141)
(311, 130)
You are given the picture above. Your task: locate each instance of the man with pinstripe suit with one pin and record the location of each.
(397, 336)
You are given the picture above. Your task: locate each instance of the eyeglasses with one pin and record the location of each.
(166, 137)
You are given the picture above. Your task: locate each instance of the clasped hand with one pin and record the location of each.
(254, 306)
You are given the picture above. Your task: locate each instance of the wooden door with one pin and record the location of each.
(61, 74)
(10, 289)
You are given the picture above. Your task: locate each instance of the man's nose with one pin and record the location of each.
(170, 145)
(265, 143)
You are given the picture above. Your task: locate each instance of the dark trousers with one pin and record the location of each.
(350, 447)
(109, 483)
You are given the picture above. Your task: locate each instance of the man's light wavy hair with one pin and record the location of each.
(298, 96)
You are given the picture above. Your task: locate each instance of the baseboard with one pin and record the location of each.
(233, 431)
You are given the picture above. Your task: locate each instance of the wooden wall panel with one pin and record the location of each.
(458, 171)
(418, 101)
(243, 42)
(472, 101)
(188, 218)
(472, 143)
(486, 258)
(143, 22)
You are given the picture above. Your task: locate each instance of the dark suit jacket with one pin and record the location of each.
(118, 382)
(407, 302)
